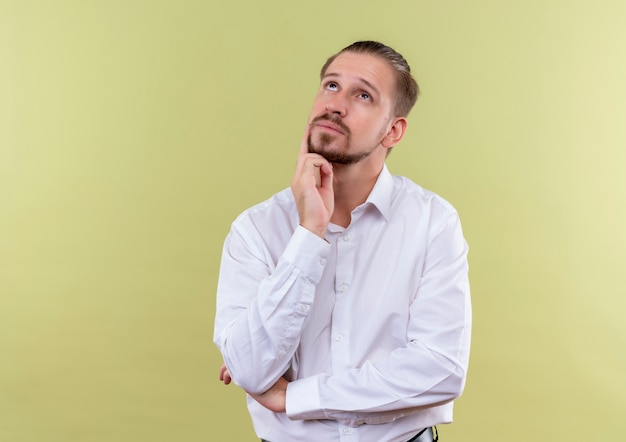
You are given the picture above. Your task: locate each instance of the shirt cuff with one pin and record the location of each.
(308, 252)
(303, 399)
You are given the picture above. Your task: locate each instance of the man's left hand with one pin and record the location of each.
(274, 399)
(225, 374)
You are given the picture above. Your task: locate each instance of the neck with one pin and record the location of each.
(352, 185)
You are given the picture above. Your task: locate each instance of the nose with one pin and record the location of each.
(337, 105)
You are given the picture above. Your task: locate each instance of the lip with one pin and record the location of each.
(327, 125)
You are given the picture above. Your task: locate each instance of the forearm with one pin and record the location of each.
(262, 308)
(381, 392)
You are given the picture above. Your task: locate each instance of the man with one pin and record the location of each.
(343, 304)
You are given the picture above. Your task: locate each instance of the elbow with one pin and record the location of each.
(248, 382)
(241, 375)
(246, 374)
(450, 387)
(456, 383)
(252, 381)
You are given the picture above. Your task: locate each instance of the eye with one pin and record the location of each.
(365, 96)
(332, 86)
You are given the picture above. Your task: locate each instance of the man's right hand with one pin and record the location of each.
(312, 187)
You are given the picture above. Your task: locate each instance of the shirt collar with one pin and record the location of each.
(380, 196)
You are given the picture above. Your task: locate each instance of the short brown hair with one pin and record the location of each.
(406, 87)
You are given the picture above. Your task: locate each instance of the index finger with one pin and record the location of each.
(304, 144)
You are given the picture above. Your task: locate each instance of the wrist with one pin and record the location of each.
(317, 230)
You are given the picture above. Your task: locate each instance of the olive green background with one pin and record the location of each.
(133, 132)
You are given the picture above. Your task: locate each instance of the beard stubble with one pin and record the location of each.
(343, 156)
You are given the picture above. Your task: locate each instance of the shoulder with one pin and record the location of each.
(281, 201)
(407, 193)
(424, 212)
(277, 213)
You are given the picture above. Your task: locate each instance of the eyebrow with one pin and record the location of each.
(362, 80)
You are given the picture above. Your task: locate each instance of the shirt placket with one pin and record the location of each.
(340, 339)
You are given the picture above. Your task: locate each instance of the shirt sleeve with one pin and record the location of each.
(262, 306)
(429, 371)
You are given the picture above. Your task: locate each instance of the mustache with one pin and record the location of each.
(333, 118)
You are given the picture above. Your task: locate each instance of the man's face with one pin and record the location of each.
(353, 109)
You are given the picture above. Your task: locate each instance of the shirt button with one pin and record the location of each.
(347, 430)
(322, 261)
(343, 288)
(339, 338)
(303, 308)
(346, 238)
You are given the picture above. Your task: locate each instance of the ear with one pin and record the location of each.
(395, 133)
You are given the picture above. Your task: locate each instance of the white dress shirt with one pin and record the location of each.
(371, 326)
